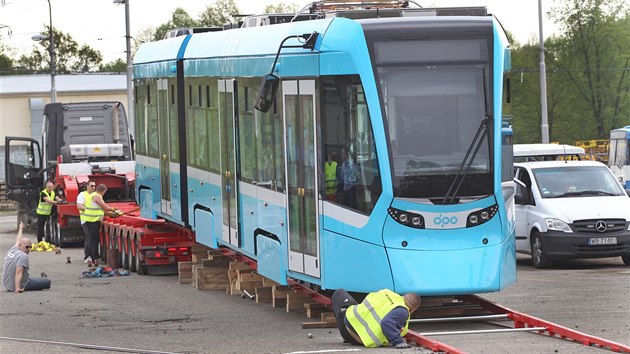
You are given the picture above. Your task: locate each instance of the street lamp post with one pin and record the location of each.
(51, 48)
(544, 126)
(130, 107)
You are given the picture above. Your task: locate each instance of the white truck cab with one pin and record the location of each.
(568, 208)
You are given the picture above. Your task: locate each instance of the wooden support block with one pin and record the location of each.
(279, 295)
(199, 248)
(195, 274)
(263, 294)
(250, 286)
(296, 301)
(327, 321)
(310, 325)
(234, 267)
(328, 317)
(269, 282)
(217, 261)
(314, 309)
(184, 270)
(249, 275)
(231, 290)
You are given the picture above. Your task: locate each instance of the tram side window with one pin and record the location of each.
(247, 129)
(140, 118)
(351, 171)
(197, 128)
(152, 120)
(212, 117)
(172, 118)
(270, 148)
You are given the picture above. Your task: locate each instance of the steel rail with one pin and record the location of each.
(86, 346)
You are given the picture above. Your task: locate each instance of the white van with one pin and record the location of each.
(568, 209)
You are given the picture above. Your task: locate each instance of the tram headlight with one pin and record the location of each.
(481, 216)
(407, 218)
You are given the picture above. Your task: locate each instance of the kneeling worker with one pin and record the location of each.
(382, 318)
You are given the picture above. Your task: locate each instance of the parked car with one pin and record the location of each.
(569, 209)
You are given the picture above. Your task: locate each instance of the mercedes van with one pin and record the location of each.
(568, 208)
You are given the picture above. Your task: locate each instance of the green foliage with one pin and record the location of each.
(6, 62)
(69, 55)
(588, 78)
(222, 12)
(179, 19)
(282, 8)
(118, 66)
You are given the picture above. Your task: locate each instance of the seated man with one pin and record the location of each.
(15, 276)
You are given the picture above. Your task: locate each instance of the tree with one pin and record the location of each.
(118, 66)
(145, 35)
(6, 63)
(180, 18)
(219, 14)
(282, 8)
(595, 56)
(69, 55)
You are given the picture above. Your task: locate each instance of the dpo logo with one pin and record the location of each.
(444, 220)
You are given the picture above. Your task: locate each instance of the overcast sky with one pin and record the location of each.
(101, 24)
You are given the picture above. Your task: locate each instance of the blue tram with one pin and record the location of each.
(378, 162)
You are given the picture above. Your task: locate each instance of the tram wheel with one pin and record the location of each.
(539, 256)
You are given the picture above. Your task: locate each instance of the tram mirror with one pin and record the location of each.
(267, 93)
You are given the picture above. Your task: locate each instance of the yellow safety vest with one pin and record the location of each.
(330, 173)
(366, 317)
(44, 208)
(86, 199)
(93, 211)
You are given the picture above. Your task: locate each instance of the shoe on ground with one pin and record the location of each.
(88, 260)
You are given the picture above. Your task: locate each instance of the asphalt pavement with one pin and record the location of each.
(157, 314)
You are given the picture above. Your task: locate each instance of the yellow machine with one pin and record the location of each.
(596, 150)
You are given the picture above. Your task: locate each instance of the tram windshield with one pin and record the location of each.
(436, 100)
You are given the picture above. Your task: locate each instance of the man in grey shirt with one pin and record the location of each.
(15, 275)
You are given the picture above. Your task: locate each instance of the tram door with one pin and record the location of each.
(164, 137)
(299, 114)
(228, 161)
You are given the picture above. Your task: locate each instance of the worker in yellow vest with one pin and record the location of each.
(46, 201)
(93, 214)
(382, 318)
(330, 175)
(81, 201)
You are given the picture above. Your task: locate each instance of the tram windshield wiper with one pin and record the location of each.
(464, 167)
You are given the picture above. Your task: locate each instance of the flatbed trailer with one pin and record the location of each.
(145, 246)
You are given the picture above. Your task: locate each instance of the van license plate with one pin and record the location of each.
(602, 241)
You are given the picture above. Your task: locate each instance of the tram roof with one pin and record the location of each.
(249, 41)
(265, 40)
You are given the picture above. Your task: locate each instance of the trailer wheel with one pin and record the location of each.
(131, 251)
(124, 251)
(48, 229)
(539, 256)
(55, 234)
(141, 268)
